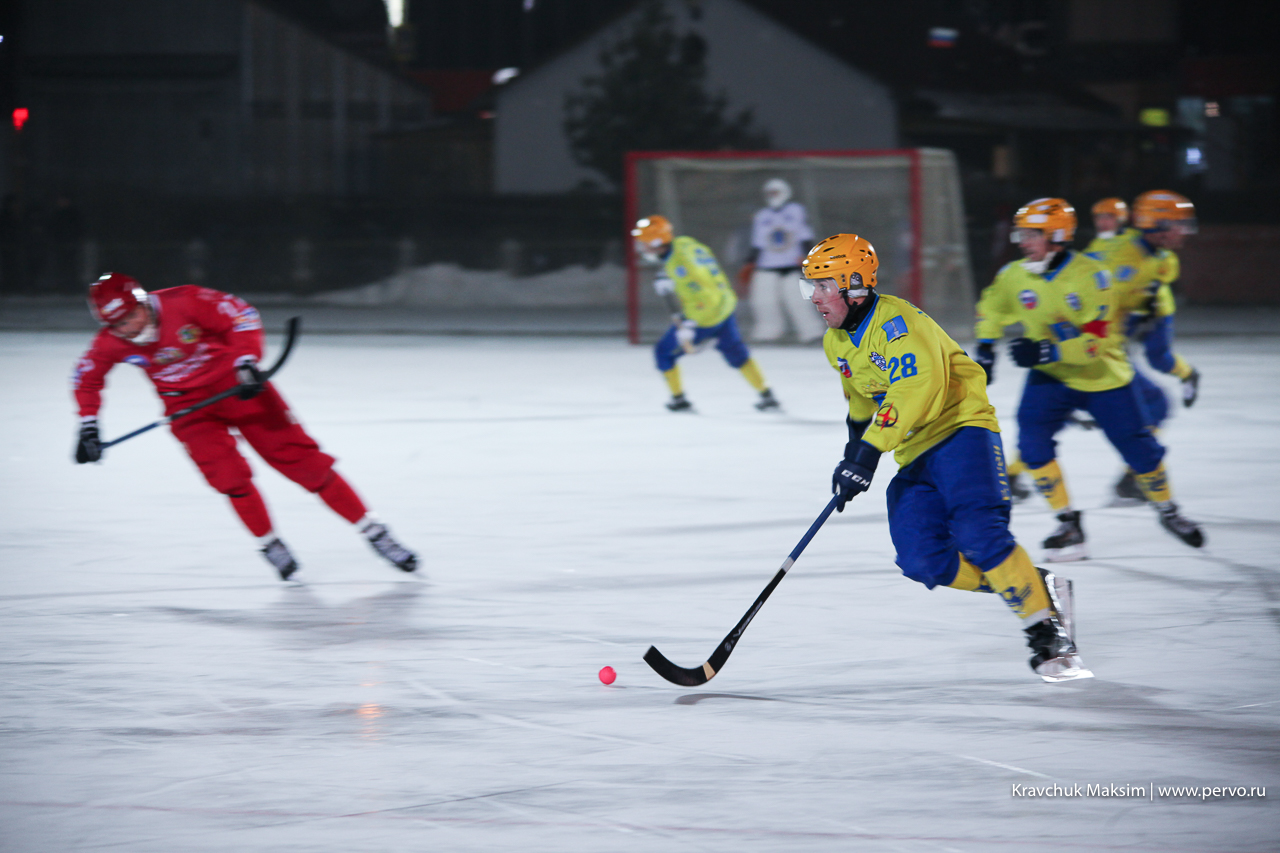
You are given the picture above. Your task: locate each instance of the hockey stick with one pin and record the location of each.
(703, 674)
(290, 335)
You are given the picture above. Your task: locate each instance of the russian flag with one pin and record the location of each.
(943, 37)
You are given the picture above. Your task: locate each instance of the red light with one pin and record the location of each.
(20, 116)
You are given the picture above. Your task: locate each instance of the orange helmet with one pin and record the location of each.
(1054, 216)
(1113, 207)
(1159, 210)
(652, 232)
(849, 259)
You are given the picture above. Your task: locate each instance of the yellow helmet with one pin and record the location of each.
(1157, 210)
(652, 232)
(849, 259)
(1054, 216)
(1113, 207)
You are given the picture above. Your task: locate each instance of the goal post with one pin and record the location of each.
(906, 201)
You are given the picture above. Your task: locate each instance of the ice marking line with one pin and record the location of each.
(1253, 705)
(585, 639)
(1002, 766)
(747, 832)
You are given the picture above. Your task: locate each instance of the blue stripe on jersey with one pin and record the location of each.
(856, 336)
(1064, 331)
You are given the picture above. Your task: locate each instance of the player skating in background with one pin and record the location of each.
(912, 390)
(780, 236)
(1143, 266)
(1110, 221)
(1110, 216)
(193, 342)
(702, 304)
(1064, 299)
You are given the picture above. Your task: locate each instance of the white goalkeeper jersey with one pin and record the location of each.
(780, 236)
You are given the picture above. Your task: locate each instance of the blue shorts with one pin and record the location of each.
(1153, 398)
(728, 341)
(953, 498)
(1159, 345)
(1120, 412)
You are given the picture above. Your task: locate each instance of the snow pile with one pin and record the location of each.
(448, 285)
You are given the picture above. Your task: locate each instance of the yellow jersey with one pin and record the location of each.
(1070, 305)
(1142, 275)
(902, 372)
(1099, 245)
(705, 295)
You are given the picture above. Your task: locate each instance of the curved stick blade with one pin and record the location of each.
(677, 674)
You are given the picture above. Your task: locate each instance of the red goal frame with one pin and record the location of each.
(915, 286)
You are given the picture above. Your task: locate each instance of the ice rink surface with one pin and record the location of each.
(162, 691)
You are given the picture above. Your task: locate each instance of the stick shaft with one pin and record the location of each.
(291, 334)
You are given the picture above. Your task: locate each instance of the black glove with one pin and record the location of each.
(853, 475)
(250, 379)
(1138, 326)
(985, 355)
(1029, 353)
(89, 447)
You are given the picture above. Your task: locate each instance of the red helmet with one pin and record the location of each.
(113, 296)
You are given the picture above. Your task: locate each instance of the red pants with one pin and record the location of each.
(266, 424)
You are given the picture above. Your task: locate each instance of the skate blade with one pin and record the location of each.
(1067, 668)
(1070, 554)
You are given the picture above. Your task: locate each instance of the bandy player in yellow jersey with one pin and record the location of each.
(1063, 299)
(1110, 218)
(912, 390)
(702, 303)
(1143, 268)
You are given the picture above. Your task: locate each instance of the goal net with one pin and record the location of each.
(905, 201)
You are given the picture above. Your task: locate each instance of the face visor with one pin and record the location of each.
(824, 287)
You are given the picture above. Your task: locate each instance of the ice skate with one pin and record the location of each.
(394, 553)
(1127, 491)
(768, 403)
(1054, 656)
(1018, 489)
(277, 554)
(1062, 596)
(679, 403)
(1191, 388)
(1181, 526)
(1066, 544)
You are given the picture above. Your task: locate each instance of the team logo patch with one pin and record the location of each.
(878, 360)
(1028, 299)
(843, 367)
(168, 354)
(895, 328)
(139, 360)
(1073, 299)
(855, 278)
(189, 334)
(887, 417)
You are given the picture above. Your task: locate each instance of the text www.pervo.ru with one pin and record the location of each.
(1149, 792)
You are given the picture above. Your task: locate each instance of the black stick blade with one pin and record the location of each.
(677, 674)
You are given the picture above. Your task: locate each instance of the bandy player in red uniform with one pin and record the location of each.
(194, 342)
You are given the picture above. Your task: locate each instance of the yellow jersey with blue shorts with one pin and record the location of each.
(1142, 275)
(1070, 305)
(906, 375)
(705, 295)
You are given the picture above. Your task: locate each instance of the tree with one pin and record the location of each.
(650, 96)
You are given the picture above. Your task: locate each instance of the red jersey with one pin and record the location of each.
(201, 333)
